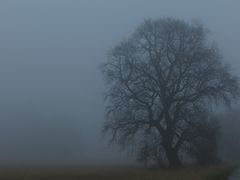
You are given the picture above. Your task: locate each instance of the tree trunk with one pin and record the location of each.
(173, 159)
(172, 155)
(171, 152)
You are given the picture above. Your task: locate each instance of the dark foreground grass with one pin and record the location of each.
(116, 173)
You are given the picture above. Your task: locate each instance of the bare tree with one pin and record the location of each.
(158, 81)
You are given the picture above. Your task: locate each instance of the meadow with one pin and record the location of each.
(115, 173)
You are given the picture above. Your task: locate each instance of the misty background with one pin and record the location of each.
(51, 93)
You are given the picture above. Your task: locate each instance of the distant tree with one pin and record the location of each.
(160, 81)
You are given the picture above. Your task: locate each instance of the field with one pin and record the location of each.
(115, 173)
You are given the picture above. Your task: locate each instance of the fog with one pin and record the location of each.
(51, 95)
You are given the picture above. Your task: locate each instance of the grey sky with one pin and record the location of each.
(51, 89)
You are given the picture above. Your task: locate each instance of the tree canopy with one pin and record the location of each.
(160, 82)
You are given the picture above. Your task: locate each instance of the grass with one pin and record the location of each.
(117, 173)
